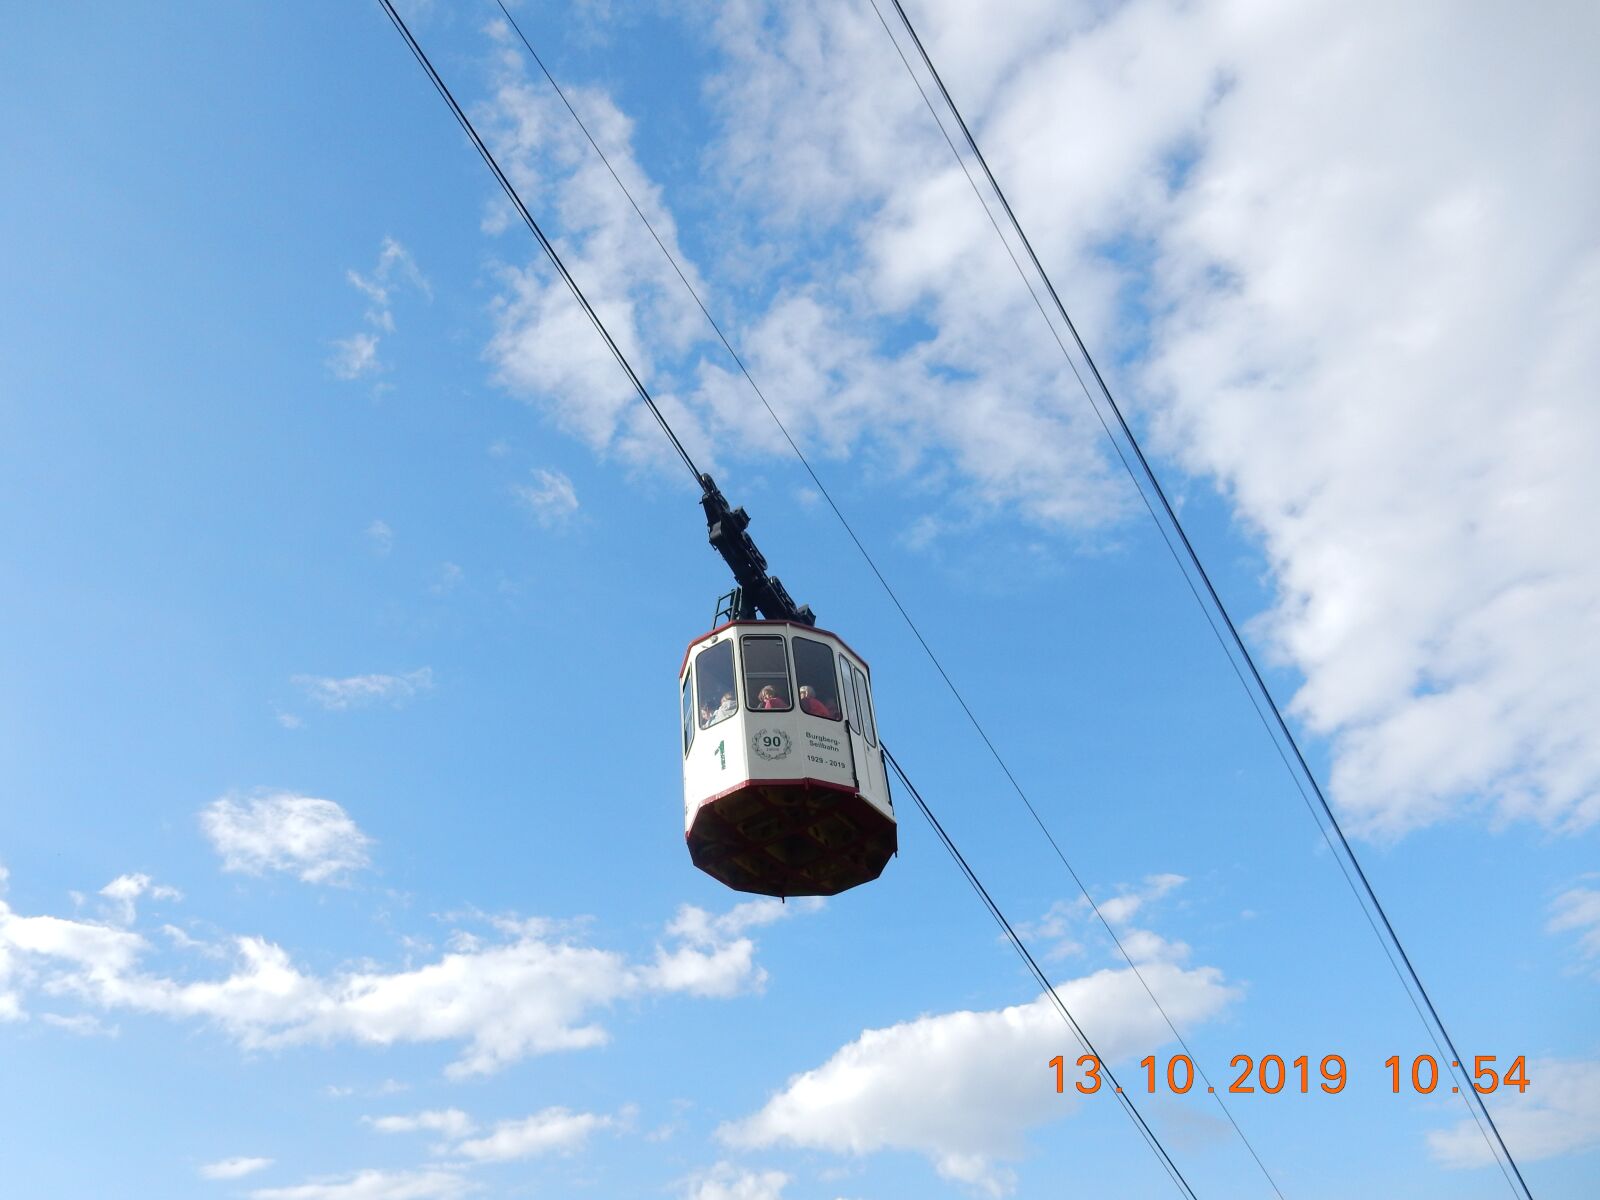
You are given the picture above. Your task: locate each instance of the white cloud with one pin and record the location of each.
(1578, 909)
(702, 928)
(544, 348)
(719, 971)
(1434, 599)
(554, 1130)
(10, 1001)
(35, 946)
(507, 1001)
(124, 890)
(356, 691)
(961, 1088)
(1338, 218)
(1558, 1114)
(281, 831)
(234, 1168)
(550, 497)
(449, 1122)
(98, 951)
(716, 958)
(1415, 486)
(535, 992)
(374, 1185)
(728, 1182)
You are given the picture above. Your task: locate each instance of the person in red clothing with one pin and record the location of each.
(771, 697)
(815, 705)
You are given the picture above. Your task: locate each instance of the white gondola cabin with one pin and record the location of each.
(784, 790)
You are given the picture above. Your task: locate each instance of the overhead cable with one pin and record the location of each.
(1234, 643)
(1149, 1135)
(893, 597)
(549, 249)
(1043, 980)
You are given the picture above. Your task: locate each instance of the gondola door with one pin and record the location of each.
(860, 759)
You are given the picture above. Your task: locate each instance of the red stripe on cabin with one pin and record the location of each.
(816, 783)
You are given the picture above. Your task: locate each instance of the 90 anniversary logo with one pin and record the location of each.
(771, 744)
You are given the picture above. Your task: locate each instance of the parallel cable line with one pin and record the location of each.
(906, 616)
(1205, 610)
(1146, 1132)
(1470, 1096)
(872, 564)
(549, 249)
(1043, 980)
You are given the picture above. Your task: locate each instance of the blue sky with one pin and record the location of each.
(340, 854)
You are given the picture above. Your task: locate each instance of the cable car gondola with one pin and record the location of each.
(784, 787)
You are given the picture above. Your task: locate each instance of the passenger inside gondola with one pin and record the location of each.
(819, 686)
(766, 674)
(713, 671)
(758, 816)
(815, 705)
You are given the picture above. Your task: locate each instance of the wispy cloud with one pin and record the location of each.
(1577, 910)
(81, 1024)
(356, 691)
(449, 1122)
(374, 1185)
(381, 537)
(124, 890)
(1558, 1114)
(354, 356)
(1066, 922)
(550, 497)
(449, 578)
(396, 270)
(552, 1131)
(312, 838)
(234, 1168)
(1127, 903)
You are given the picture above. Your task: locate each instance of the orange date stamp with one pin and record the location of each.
(1271, 1074)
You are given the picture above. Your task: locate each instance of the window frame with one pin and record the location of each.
(733, 682)
(744, 674)
(833, 672)
(691, 716)
(869, 723)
